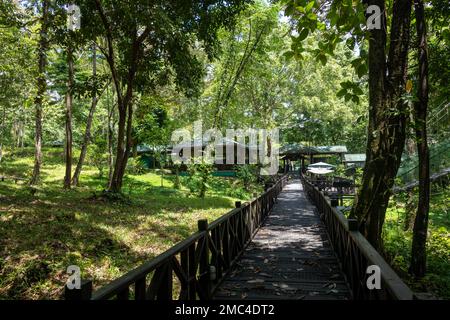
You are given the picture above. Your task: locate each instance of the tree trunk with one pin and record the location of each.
(116, 185)
(124, 138)
(124, 101)
(2, 132)
(69, 105)
(110, 133)
(418, 251)
(87, 133)
(41, 90)
(387, 120)
(124, 145)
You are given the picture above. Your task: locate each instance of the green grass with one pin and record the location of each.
(42, 234)
(397, 243)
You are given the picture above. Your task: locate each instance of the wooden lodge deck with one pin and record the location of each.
(289, 258)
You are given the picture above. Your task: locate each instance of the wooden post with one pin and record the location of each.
(334, 201)
(352, 225)
(192, 273)
(140, 288)
(204, 278)
(302, 170)
(84, 293)
(238, 204)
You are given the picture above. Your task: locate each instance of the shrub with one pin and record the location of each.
(136, 166)
(97, 158)
(199, 176)
(247, 175)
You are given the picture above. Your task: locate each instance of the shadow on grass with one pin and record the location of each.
(42, 234)
(41, 240)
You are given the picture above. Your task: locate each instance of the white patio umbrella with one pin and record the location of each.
(320, 170)
(321, 165)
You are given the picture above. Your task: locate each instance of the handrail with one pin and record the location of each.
(356, 253)
(198, 263)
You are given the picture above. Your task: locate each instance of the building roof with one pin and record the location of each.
(296, 148)
(355, 157)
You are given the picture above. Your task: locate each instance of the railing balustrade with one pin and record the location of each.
(196, 265)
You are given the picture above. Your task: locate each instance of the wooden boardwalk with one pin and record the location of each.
(289, 258)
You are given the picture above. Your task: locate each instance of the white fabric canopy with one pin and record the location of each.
(321, 165)
(320, 170)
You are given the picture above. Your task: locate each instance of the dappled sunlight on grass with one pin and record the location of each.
(43, 232)
(397, 243)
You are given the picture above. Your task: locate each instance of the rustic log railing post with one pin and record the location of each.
(192, 272)
(83, 293)
(240, 224)
(139, 289)
(352, 224)
(204, 277)
(334, 201)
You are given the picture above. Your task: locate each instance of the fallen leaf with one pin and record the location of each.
(265, 275)
(256, 281)
(332, 291)
(329, 285)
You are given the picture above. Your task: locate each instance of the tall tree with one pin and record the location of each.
(387, 68)
(387, 117)
(41, 88)
(87, 133)
(144, 41)
(68, 117)
(418, 251)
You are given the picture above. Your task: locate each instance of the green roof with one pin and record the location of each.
(296, 148)
(355, 157)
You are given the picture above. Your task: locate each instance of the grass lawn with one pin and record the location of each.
(41, 234)
(397, 242)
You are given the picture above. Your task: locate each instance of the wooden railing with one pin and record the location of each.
(355, 253)
(195, 267)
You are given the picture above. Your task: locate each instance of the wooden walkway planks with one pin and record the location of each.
(289, 258)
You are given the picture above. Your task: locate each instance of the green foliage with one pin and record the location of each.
(337, 22)
(199, 177)
(439, 250)
(339, 170)
(97, 158)
(397, 242)
(136, 166)
(358, 176)
(247, 175)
